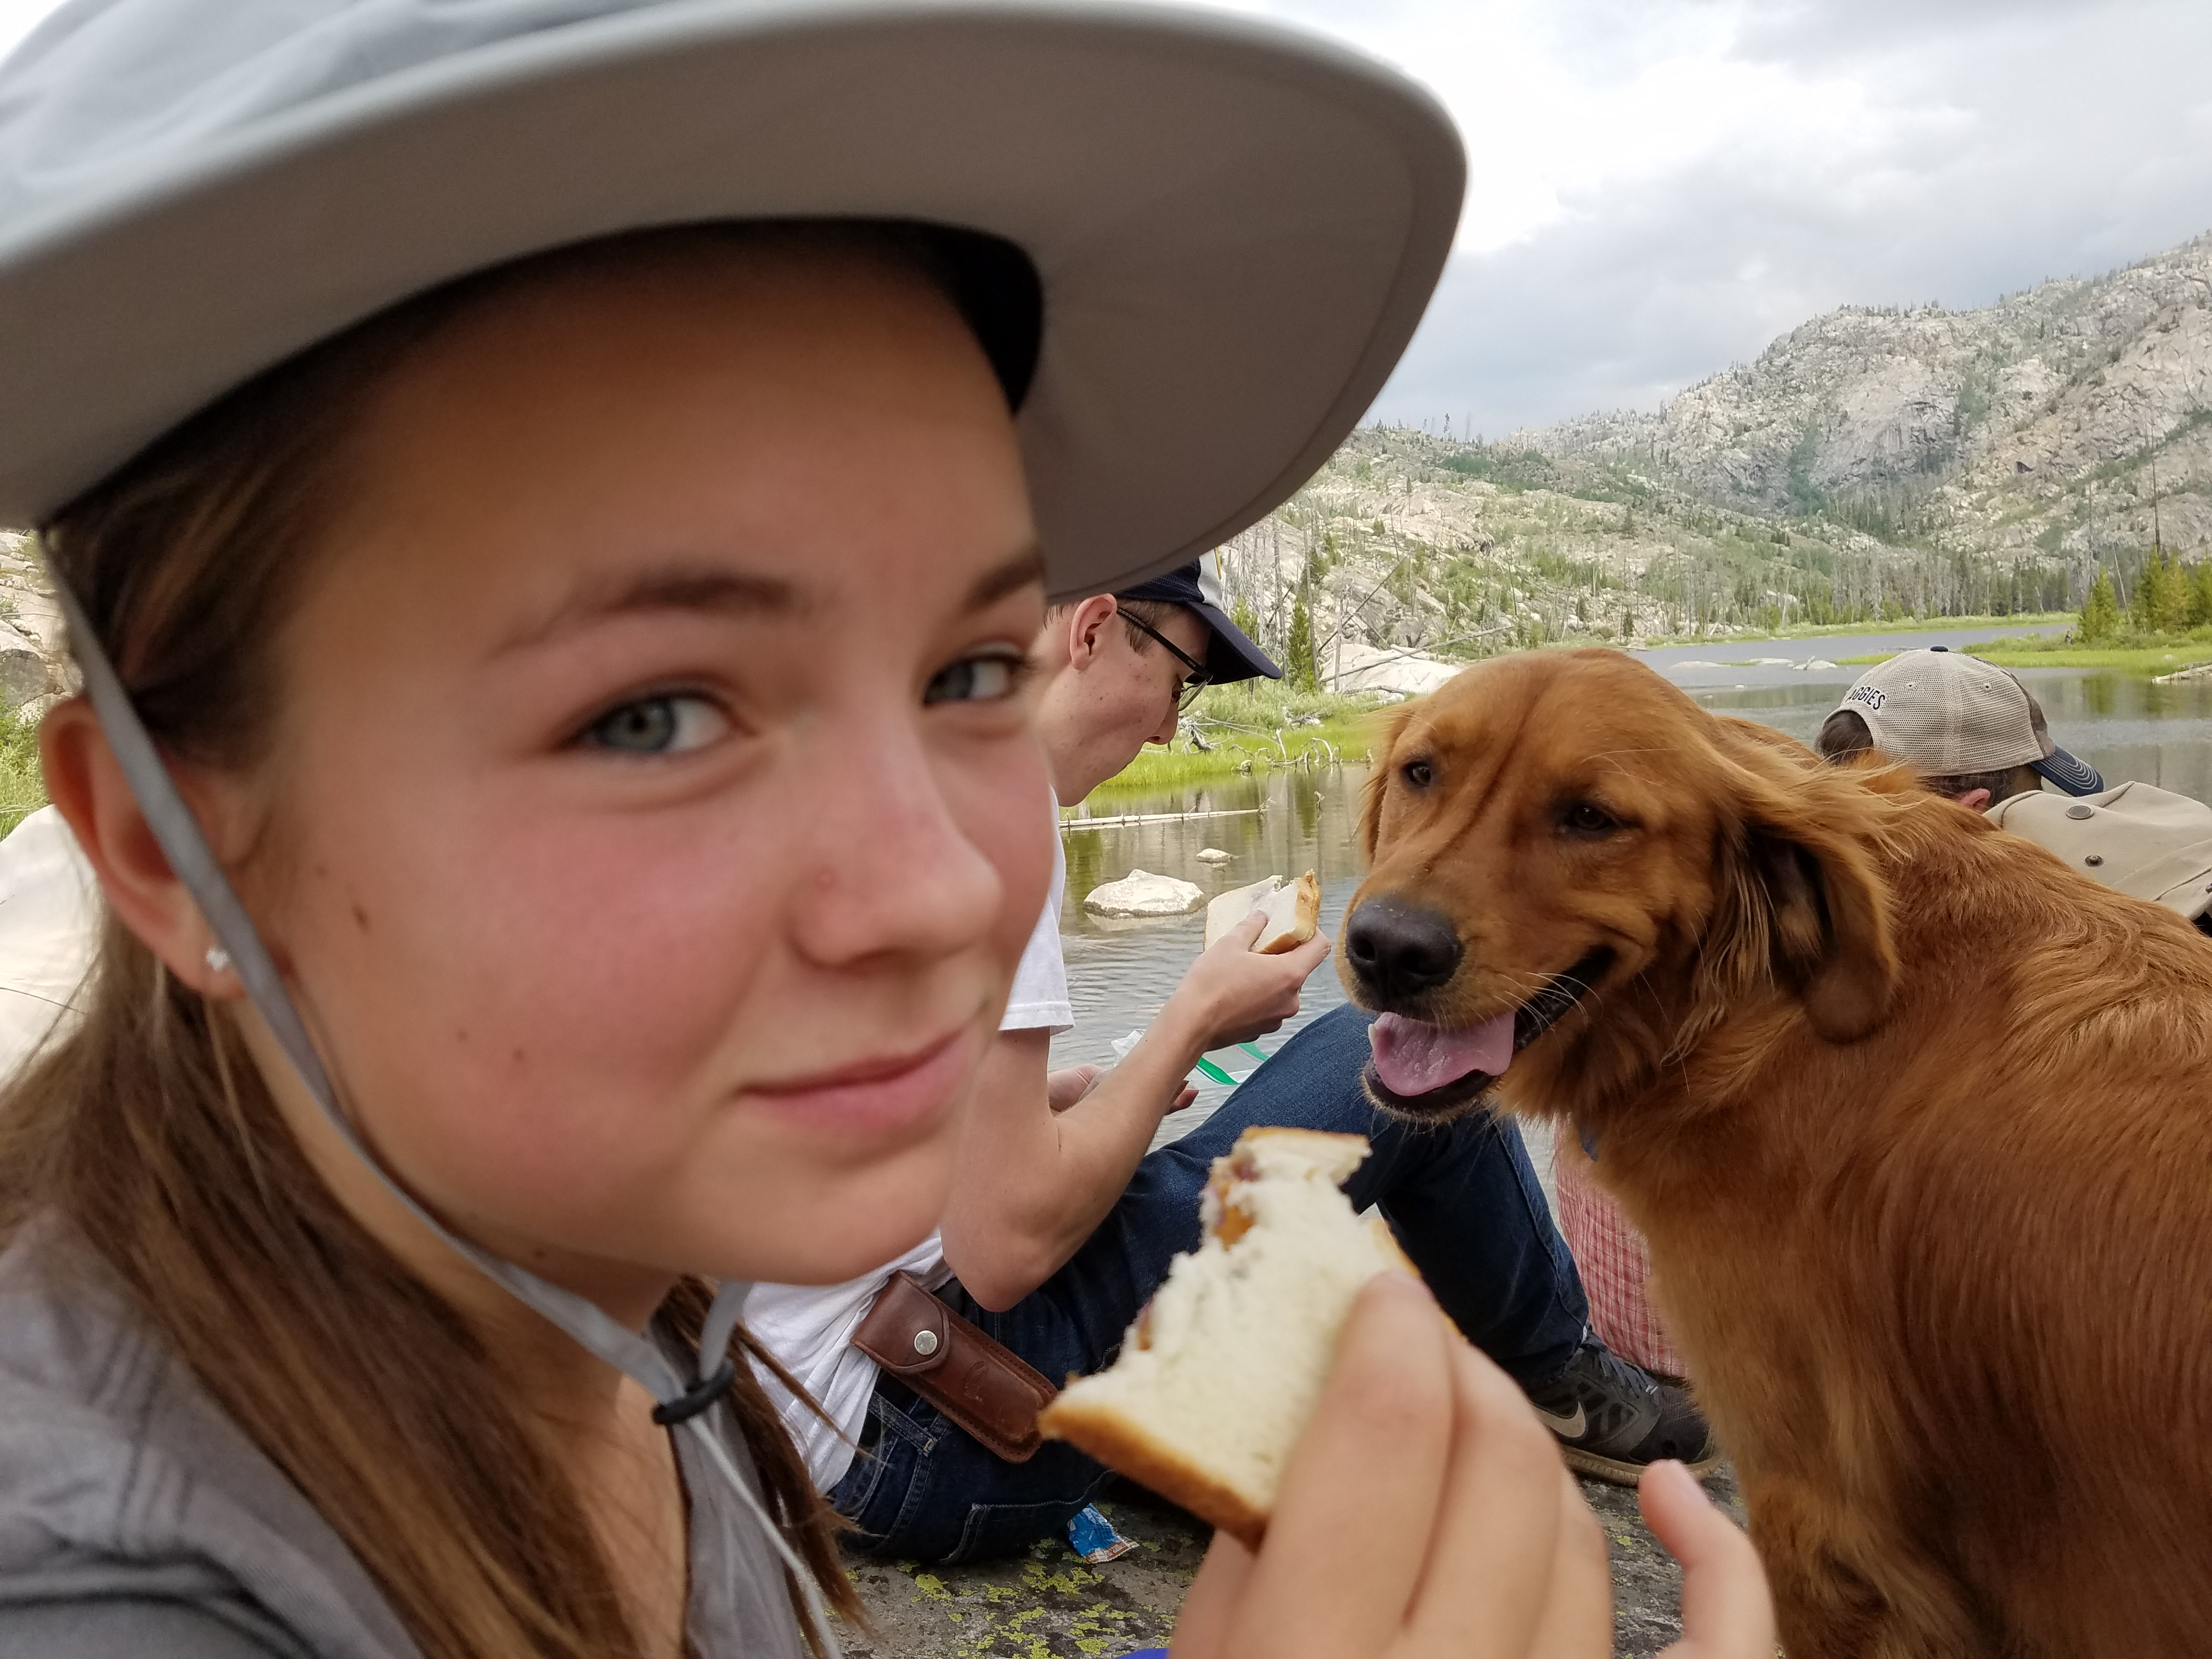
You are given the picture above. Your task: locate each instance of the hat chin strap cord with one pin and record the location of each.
(178, 832)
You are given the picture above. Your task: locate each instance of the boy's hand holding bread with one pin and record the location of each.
(1234, 993)
(1292, 910)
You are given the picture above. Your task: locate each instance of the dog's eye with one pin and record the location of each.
(1585, 819)
(1417, 773)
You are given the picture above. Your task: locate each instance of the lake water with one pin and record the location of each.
(1120, 973)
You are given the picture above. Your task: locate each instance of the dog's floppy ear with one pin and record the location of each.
(1387, 725)
(1802, 903)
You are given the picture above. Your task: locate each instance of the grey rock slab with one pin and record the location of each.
(24, 673)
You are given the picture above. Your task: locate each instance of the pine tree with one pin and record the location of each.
(1247, 624)
(2149, 580)
(2100, 611)
(1298, 666)
(2200, 593)
(2160, 596)
(2172, 613)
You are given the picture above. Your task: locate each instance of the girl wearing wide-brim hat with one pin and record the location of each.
(550, 498)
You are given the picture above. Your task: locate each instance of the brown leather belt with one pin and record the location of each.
(982, 1385)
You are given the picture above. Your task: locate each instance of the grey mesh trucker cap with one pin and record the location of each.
(1236, 226)
(1946, 713)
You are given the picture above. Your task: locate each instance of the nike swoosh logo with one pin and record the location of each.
(1567, 1428)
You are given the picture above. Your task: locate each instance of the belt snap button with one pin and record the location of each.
(925, 1343)
(2081, 810)
(2093, 858)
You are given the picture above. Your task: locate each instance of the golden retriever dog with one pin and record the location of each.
(1918, 1122)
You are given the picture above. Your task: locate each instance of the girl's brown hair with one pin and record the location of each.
(151, 1135)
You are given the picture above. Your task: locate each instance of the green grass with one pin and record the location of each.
(2157, 653)
(1903, 625)
(1240, 722)
(22, 786)
(1235, 752)
(2135, 659)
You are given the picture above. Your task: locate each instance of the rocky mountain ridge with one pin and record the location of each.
(1406, 542)
(1872, 464)
(2071, 421)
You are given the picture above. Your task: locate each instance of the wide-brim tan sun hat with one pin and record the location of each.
(1236, 227)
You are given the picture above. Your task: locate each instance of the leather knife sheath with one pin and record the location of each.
(981, 1384)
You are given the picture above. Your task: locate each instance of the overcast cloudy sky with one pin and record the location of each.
(1658, 187)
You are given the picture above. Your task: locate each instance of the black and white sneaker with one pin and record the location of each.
(1613, 1419)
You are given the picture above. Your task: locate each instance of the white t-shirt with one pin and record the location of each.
(809, 1327)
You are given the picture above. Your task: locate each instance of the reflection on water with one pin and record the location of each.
(1119, 973)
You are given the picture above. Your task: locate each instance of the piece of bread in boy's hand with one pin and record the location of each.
(1217, 1378)
(1293, 910)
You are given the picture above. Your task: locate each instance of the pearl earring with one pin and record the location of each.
(218, 959)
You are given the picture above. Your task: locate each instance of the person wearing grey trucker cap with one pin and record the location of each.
(551, 500)
(1948, 715)
(1971, 730)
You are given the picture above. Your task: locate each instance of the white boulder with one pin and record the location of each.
(1376, 668)
(1140, 893)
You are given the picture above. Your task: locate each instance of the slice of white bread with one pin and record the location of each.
(1293, 910)
(1217, 1378)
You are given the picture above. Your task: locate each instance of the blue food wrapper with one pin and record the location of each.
(1091, 1536)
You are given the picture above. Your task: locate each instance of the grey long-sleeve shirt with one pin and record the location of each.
(136, 1519)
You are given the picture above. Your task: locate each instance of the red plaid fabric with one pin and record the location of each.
(1615, 1264)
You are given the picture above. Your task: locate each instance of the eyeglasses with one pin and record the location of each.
(1201, 676)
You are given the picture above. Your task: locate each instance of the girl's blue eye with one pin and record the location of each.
(667, 725)
(975, 679)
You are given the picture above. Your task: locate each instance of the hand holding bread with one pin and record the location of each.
(1217, 1377)
(1233, 993)
(1292, 910)
(1424, 1514)
(1382, 1488)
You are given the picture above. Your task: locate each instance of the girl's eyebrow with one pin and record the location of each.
(670, 587)
(1016, 573)
(692, 587)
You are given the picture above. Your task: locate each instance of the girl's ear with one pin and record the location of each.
(1802, 905)
(88, 787)
(1386, 726)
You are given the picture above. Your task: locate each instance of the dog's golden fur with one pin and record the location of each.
(1918, 1122)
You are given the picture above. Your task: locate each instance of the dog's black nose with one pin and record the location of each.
(1400, 950)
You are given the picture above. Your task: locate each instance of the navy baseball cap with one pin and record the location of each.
(1229, 654)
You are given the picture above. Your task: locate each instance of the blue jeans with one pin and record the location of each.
(1461, 1198)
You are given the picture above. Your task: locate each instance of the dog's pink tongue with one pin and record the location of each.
(1412, 1058)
